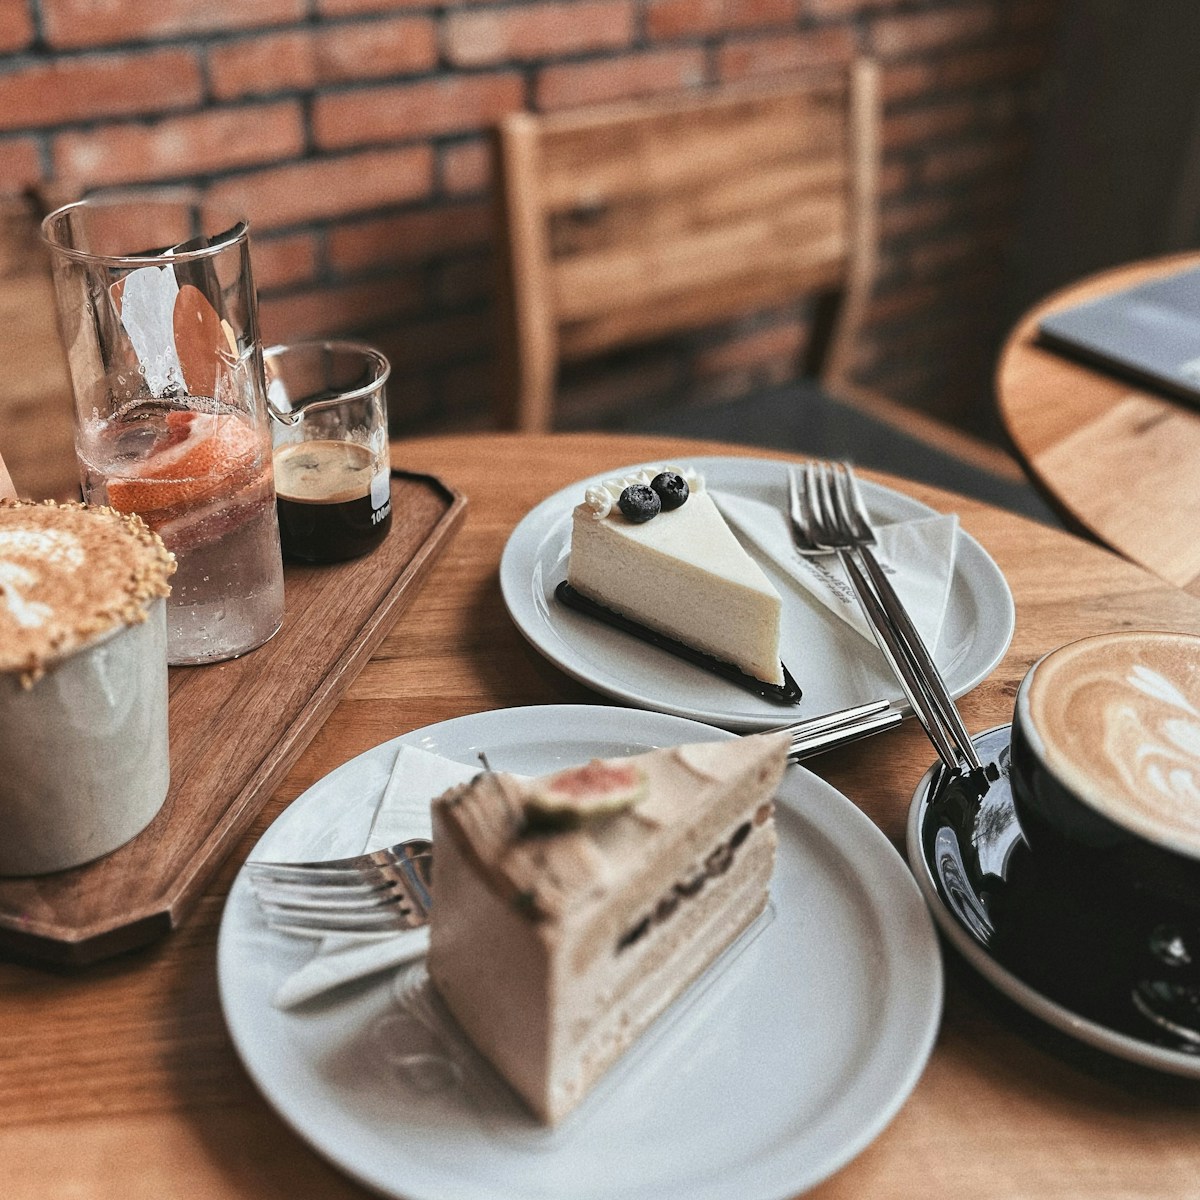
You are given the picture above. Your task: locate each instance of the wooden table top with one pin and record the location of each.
(120, 1080)
(1118, 461)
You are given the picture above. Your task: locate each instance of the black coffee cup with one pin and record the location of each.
(1105, 767)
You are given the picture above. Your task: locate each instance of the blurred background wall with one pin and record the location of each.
(354, 133)
(1115, 171)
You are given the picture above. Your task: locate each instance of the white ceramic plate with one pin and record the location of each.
(759, 1083)
(834, 665)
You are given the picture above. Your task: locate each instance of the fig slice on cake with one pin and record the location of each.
(595, 789)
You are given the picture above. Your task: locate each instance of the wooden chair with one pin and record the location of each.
(36, 408)
(624, 223)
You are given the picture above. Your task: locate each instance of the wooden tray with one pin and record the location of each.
(235, 729)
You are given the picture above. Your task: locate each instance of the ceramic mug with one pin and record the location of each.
(1105, 765)
(83, 684)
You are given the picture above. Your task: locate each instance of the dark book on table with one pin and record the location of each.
(1150, 333)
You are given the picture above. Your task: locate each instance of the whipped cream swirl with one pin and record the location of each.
(602, 497)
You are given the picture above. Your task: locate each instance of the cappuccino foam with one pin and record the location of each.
(70, 573)
(1116, 718)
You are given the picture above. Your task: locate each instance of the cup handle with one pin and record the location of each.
(8, 490)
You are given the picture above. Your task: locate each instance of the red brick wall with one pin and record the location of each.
(354, 134)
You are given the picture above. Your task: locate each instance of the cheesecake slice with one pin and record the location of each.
(680, 572)
(570, 911)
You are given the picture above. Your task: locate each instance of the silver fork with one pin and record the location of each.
(389, 890)
(819, 517)
(367, 894)
(851, 515)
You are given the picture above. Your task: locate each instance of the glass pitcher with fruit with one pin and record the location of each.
(158, 313)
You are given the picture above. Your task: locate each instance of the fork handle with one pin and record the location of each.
(894, 650)
(933, 683)
(831, 737)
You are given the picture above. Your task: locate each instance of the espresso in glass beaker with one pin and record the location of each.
(332, 477)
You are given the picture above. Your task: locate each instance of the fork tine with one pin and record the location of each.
(848, 518)
(856, 503)
(298, 896)
(377, 902)
(808, 498)
(331, 878)
(804, 536)
(794, 509)
(822, 499)
(375, 923)
(329, 866)
(313, 933)
(395, 916)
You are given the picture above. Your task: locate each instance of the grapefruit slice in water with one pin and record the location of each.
(197, 456)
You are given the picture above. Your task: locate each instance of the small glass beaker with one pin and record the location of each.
(158, 314)
(332, 471)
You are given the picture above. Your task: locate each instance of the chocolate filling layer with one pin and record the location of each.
(717, 863)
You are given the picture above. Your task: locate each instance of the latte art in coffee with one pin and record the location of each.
(1118, 718)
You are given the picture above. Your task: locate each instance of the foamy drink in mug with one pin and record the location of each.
(158, 314)
(1105, 765)
(83, 683)
(332, 471)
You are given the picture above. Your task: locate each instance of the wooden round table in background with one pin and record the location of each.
(1119, 461)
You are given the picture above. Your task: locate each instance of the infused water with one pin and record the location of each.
(198, 473)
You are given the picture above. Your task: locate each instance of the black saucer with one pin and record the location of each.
(1120, 976)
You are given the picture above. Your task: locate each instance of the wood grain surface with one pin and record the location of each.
(1119, 461)
(119, 1081)
(235, 728)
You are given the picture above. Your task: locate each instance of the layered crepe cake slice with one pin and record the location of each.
(667, 560)
(570, 911)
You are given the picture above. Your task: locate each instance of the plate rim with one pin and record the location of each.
(513, 581)
(915, 1026)
(1037, 1004)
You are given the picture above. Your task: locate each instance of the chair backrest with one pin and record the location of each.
(627, 222)
(36, 407)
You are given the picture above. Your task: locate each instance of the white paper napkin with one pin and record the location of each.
(918, 556)
(417, 778)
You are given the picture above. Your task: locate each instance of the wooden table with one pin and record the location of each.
(1120, 462)
(121, 1081)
